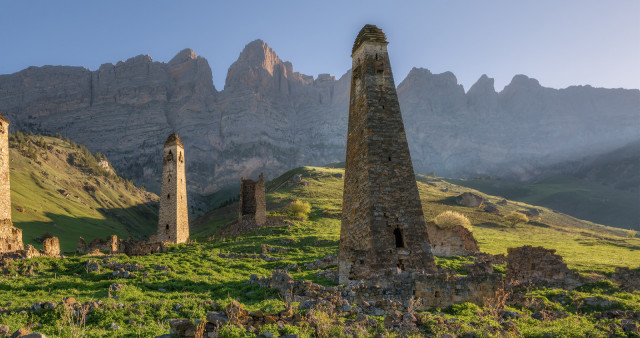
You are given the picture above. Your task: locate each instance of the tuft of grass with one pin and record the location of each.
(450, 219)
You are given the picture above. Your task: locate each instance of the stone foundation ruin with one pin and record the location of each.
(253, 203)
(114, 245)
(538, 266)
(453, 241)
(10, 237)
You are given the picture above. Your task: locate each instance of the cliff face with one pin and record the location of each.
(270, 118)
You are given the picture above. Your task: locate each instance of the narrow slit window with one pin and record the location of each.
(399, 241)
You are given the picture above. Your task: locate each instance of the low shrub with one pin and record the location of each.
(516, 218)
(300, 209)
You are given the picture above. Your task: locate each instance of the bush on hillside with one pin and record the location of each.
(631, 233)
(300, 209)
(516, 218)
(450, 219)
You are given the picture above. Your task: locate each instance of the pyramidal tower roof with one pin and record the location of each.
(2, 118)
(173, 139)
(369, 33)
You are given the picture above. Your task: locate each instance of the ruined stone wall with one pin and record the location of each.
(131, 247)
(453, 241)
(529, 265)
(382, 220)
(627, 279)
(253, 204)
(10, 237)
(173, 220)
(51, 247)
(5, 190)
(389, 290)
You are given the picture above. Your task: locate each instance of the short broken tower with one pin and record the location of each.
(10, 236)
(383, 225)
(253, 204)
(173, 221)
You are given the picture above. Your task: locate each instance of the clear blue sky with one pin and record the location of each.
(560, 43)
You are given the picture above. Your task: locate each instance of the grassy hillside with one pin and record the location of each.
(571, 195)
(192, 279)
(586, 246)
(59, 187)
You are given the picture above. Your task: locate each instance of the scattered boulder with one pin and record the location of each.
(469, 199)
(491, 208)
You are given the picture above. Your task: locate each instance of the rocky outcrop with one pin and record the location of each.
(270, 118)
(469, 199)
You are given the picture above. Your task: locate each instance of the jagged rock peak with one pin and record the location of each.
(173, 139)
(142, 58)
(483, 85)
(184, 55)
(423, 74)
(258, 53)
(520, 80)
(369, 33)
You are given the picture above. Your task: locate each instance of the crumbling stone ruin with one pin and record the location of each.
(253, 204)
(173, 222)
(451, 241)
(538, 266)
(51, 247)
(10, 236)
(627, 279)
(383, 224)
(115, 245)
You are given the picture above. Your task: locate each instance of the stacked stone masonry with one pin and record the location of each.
(10, 236)
(173, 221)
(253, 204)
(391, 291)
(51, 247)
(538, 266)
(627, 279)
(452, 241)
(114, 245)
(383, 225)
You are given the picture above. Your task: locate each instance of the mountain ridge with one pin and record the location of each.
(270, 118)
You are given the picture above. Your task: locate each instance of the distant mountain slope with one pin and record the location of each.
(570, 195)
(58, 187)
(270, 118)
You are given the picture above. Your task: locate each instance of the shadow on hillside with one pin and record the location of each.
(539, 224)
(138, 222)
(451, 200)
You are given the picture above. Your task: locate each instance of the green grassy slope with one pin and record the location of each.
(197, 279)
(586, 246)
(48, 194)
(571, 195)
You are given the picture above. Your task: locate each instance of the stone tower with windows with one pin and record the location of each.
(173, 221)
(383, 225)
(10, 236)
(253, 204)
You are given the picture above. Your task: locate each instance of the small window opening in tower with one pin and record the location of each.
(389, 158)
(399, 241)
(168, 196)
(376, 56)
(383, 107)
(167, 227)
(169, 179)
(9, 247)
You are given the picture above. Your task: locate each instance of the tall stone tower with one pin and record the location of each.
(253, 204)
(383, 225)
(10, 236)
(173, 221)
